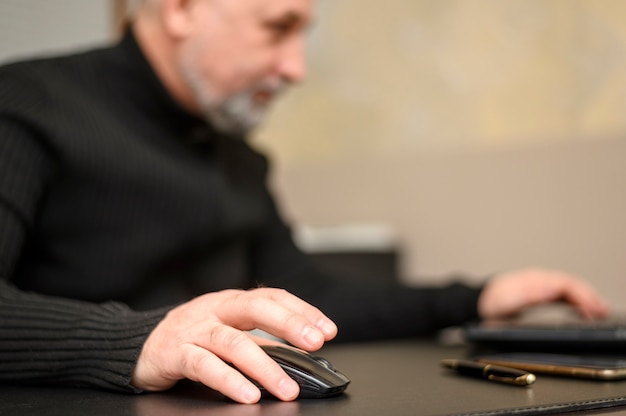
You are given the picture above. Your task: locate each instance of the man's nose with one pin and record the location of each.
(291, 64)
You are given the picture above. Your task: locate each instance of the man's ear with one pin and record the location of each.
(177, 16)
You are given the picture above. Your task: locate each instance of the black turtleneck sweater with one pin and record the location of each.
(116, 204)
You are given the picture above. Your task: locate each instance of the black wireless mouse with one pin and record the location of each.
(315, 375)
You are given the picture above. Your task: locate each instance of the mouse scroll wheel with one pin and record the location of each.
(323, 361)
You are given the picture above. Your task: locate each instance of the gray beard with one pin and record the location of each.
(235, 115)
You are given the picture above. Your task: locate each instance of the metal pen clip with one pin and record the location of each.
(490, 372)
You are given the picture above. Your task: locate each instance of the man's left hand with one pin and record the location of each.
(509, 293)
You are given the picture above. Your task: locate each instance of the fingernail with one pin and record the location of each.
(288, 388)
(250, 394)
(312, 336)
(326, 326)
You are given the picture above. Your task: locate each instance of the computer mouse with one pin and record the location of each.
(316, 376)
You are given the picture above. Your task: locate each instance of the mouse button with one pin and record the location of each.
(292, 357)
(323, 361)
(306, 364)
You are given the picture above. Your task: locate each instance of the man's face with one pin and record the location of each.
(240, 54)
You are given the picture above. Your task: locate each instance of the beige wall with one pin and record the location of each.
(415, 75)
(560, 206)
(489, 133)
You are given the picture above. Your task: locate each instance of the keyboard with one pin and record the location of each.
(564, 335)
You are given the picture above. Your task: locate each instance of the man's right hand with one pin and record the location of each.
(198, 339)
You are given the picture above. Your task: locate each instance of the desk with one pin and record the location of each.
(388, 379)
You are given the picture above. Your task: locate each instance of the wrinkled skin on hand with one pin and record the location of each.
(199, 339)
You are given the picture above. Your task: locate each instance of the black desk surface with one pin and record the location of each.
(388, 379)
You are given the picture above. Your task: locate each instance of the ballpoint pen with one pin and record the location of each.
(490, 372)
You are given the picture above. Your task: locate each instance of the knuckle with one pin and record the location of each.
(281, 293)
(233, 292)
(230, 295)
(267, 369)
(227, 338)
(253, 305)
(245, 304)
(194, 364)
(270, 292)
(278, 292)
(292, 321)
(227, 379)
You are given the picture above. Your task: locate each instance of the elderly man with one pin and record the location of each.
(138, 240)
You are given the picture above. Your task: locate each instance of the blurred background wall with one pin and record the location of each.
(415, 75)
(30, 27)
(486, 135)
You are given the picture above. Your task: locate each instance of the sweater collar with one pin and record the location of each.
(144, 87)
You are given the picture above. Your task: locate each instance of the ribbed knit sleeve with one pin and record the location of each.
(45, 339)
(53, 340)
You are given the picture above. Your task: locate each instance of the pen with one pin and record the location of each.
(490, 372)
